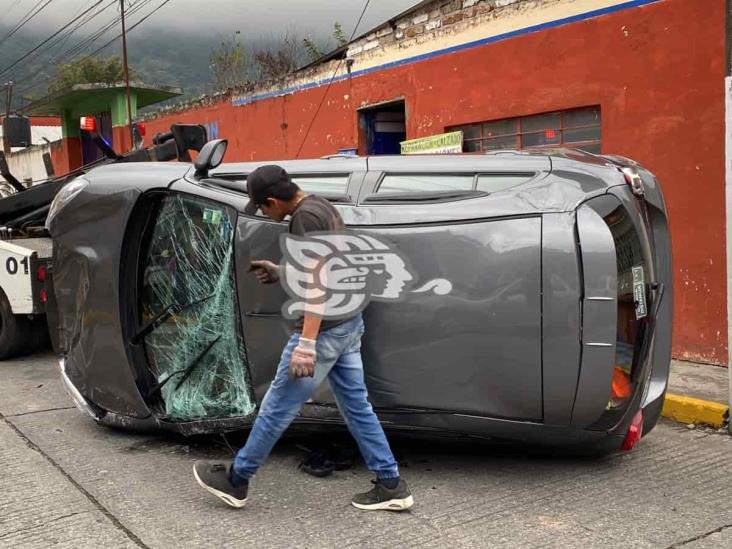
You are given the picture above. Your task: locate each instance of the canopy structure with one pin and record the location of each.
(96, 99)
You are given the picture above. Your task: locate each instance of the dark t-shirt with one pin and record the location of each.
(316, 214)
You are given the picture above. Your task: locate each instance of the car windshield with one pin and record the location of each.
(188, 304)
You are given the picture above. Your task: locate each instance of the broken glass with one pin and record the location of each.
(189, 314)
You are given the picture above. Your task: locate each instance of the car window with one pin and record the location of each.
(327, 184)
(403, 183)
(188, 295)
(332, 187)
(633, 299)
(491, 183)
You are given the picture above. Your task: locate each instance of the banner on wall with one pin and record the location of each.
(444, 143)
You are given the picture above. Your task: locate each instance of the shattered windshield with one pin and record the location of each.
(189, 313)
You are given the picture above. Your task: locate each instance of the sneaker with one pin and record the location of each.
(382, 498)
(214, 477)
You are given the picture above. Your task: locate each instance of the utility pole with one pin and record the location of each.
(126, 72)
(8, 101)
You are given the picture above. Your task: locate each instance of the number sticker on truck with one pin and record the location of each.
(11, 265)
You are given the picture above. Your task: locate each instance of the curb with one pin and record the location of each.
(694, 410)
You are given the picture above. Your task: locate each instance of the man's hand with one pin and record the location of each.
(265, 271)
(302, 361)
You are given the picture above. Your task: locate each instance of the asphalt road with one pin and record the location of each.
(67, 482)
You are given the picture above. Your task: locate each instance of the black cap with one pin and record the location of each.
(264, 182)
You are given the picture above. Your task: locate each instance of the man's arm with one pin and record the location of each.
(311, 326)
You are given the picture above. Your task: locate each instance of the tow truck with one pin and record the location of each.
(26, 249)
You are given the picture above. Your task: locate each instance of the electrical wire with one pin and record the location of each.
(96, 51)
(75, 51)
(82, 19)
(26, 18)
(54, 35)
(335, 73)
(62, 40)
(78, 48)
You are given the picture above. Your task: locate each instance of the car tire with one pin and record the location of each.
(16, 331)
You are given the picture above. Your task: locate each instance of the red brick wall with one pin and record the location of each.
(656, 71)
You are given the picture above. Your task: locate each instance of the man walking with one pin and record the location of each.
(318, 348)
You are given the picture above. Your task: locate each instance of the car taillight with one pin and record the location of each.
(635, 431)
(43, 296)
(41, 273)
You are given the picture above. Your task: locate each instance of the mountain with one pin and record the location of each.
(171, 58)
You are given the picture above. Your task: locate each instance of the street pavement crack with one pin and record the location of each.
(700, 536)
(93, 500)
(40, 525)
(41, 411)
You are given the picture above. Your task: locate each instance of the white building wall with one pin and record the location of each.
(28, 164)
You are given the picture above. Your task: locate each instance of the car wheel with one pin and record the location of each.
(15, 330)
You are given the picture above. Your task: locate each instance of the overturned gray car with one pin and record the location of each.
(554, 327)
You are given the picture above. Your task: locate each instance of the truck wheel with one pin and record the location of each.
(14, 329)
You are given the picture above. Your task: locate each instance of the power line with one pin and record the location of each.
(26, 18)
(335, 73)
(54, 35)
(138, 5)
(62, 40)
(92, 54)
(73, 52)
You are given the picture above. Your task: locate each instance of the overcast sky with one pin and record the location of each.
(253, 18)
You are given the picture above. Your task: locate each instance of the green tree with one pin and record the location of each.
(90, 70)
(276, 63)
(230, 64)
(315, 52)
(339, 35)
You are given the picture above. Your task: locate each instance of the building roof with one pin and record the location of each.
(340, 51)
(95, 97)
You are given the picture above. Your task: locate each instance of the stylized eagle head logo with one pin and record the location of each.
(336, 275)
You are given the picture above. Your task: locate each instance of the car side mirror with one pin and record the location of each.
(210, 156)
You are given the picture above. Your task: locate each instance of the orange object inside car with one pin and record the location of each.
(621, 386)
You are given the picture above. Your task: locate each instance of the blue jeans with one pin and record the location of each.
(339, 359)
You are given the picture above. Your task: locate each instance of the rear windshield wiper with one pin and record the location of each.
(163, 316)
(422, 196)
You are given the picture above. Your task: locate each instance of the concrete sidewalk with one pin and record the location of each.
(697, 394)
(704, 381)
